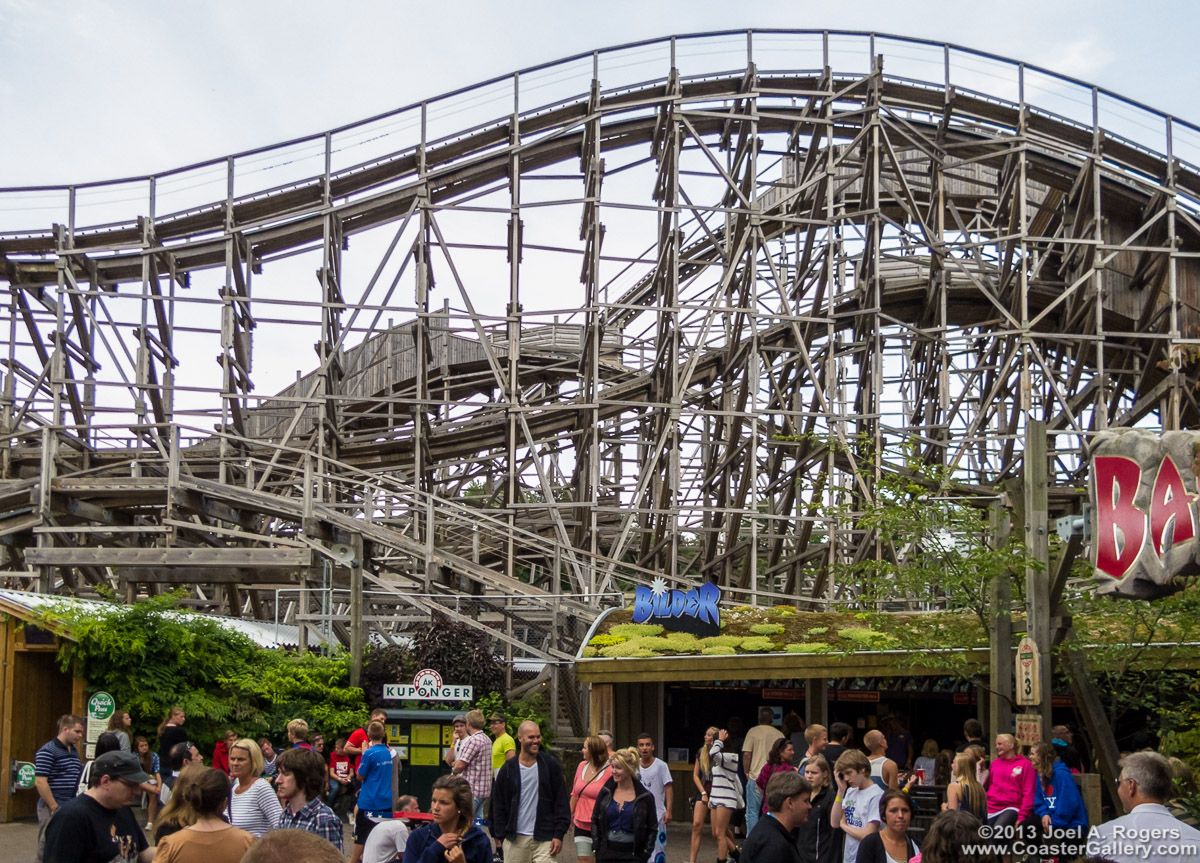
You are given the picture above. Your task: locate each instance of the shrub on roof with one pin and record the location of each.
(757, 644)
(807, 647)
(632, 630)
(606, 640)
(767, 628)
(719, 650)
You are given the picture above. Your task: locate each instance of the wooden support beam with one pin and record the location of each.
(159, 557)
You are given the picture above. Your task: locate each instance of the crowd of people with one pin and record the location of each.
(840, 804)
(803, 794)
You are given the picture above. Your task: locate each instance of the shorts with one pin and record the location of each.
(364, 823)
(583, 841)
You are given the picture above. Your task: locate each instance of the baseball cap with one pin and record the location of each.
(121, 765)
(459, 717)
(496, 717)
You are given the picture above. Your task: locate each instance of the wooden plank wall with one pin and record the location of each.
(33, 694)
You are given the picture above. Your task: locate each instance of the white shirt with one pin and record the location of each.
(656, 778)
(387, 839)
(861, 807)
(527, 806)
(1148, 834)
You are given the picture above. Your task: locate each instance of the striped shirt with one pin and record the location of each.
(726, 788)
(315, 817)
(256, 810)
(61, 768)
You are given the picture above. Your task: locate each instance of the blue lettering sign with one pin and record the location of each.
(697, 610)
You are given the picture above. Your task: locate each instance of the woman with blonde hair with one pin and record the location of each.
(702, 777)
(253, 805)
(1010, 788)
(964, 791)
(818, 840)
(625, 818)
(209, 838)
(590, 776)
(725, 798)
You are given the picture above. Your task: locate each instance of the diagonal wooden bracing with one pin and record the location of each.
(660, 326)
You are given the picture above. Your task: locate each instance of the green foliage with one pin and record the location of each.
(721, 641)
(757, 644)
(518, 710)
(150, 657)
(807, 647)
(867, 639)
(818, 630)
(719, 650)
(625, 651)
(767, 628)
(632, 630)
(587, 652)
(781, 609)
(606, 640)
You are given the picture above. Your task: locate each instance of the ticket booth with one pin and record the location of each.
(421, 737)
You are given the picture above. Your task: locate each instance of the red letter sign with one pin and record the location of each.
(1170, 500)
(1116, 484)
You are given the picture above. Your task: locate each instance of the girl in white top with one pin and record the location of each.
(253, 806)
(725, 795)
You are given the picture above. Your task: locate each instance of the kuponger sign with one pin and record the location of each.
(1145, 516)
(426, 686)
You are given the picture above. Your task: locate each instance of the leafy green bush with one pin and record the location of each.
(807, 647)
(866, 638)
(721, 641)
(517, 711)
(757, 644)
(782, 609)
(632, 630)
(587, 652)
(767, 628)
(719, 650)
(606, 640)
(818, 630)
(625, 651)
(151, 657)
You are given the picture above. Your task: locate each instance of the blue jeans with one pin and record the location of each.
(753, 804)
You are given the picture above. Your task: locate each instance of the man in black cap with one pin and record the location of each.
(98, 826)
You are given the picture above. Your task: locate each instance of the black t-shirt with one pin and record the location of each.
(171, 735)
(84, 831)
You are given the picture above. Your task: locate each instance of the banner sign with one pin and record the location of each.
(426, 686)
(1029, 679)
(1029, 728)
(696, 611)
(1144, 512)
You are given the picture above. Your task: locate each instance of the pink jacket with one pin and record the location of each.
(1011, 785)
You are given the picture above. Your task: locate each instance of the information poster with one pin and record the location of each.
(426, 735)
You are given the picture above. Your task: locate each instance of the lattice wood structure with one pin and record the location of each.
(649, 311)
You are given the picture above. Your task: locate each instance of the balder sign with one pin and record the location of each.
(1145, 517)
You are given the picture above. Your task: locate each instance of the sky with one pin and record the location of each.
(114, 88)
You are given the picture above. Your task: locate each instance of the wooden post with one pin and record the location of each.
(357, 633)
(1037, 547)
(1000, 658)
(817, 700)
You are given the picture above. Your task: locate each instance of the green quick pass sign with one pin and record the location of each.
(101, 706)
(25, 775)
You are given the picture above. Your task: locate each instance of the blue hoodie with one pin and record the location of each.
(1062, 801)
(423, 847)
